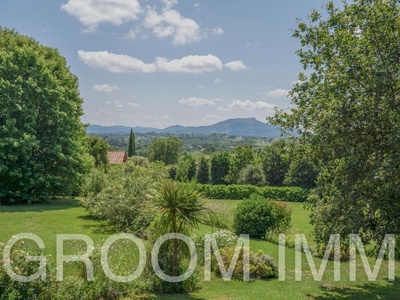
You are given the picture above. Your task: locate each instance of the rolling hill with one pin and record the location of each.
(236, 127)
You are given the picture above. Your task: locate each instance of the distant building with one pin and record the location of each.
(117, 157)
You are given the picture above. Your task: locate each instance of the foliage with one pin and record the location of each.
(219, 167)
(76, 287)
(274, 162)
(261, 266)
(347, 113)
(203, 171)
(302, 173)
(239, 192)
(42, 149)
(256, 216)
(166, 150)
(242, 157)
(123, 198)
(224, 239)
(131, 144)
(186, 170)
(98, 149)
(253, 175)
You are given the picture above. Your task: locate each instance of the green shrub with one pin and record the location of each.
(74, 286)
(121, 195)
(261, 266)
(256, 216)
(239, 192)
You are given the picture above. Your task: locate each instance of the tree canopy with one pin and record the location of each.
(347, 112)
(42, 145)
(166, 150)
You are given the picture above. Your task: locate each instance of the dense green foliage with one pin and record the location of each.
(302, 173)
(275, 163)
(42, 146)
(346, 112)
(203, 171)
(262, 266)
(186, 169)
(239, 192)
(166, 150)
(253, 175)
(192, 143)
(219, 168)
(77, 287)
(121, 196)
(257, 216)
(242, 157)
(98, 149)
(131, 144)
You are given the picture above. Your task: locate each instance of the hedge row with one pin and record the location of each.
(239, 192)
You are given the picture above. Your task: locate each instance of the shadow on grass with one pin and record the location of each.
(58, 204)
(100, 226)
(173, 297)
(365, 291)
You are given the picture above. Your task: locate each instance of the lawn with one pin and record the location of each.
(68, 217)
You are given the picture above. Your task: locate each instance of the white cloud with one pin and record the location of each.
(116, 63)
(247, 105)
(105, 88)
(253, 44)
(190, 64)
(194, 101)
(236, 65)
(91, 13)
(212, 117)
(130, 35)
(169, 3)
(217, 31)
(133, 104)
(171, 23)
(277, 93)
(117, 103)
(201, 86)
(197, 6)
(120, 63)
(218, 81)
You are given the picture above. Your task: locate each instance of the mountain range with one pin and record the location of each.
(235, 127)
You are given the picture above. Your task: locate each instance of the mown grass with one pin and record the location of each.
(68, 217)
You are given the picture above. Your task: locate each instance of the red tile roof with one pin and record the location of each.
(116, 157)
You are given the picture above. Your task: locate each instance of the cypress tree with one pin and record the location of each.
(131, 145)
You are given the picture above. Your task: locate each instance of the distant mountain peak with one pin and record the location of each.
(235, 127)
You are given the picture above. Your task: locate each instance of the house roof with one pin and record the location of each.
(116, 157)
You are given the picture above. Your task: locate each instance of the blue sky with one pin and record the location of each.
(164, 62)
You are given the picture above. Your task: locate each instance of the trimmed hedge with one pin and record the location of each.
(239, 192)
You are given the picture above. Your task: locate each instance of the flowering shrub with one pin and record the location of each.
(261, 266)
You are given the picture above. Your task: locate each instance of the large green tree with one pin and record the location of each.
(98, 149)
(219, 167)
(186, 170)
(347, 113)
(275, 162)
(43, 143)
(203, 171)
(166, 150)
(243, 156)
